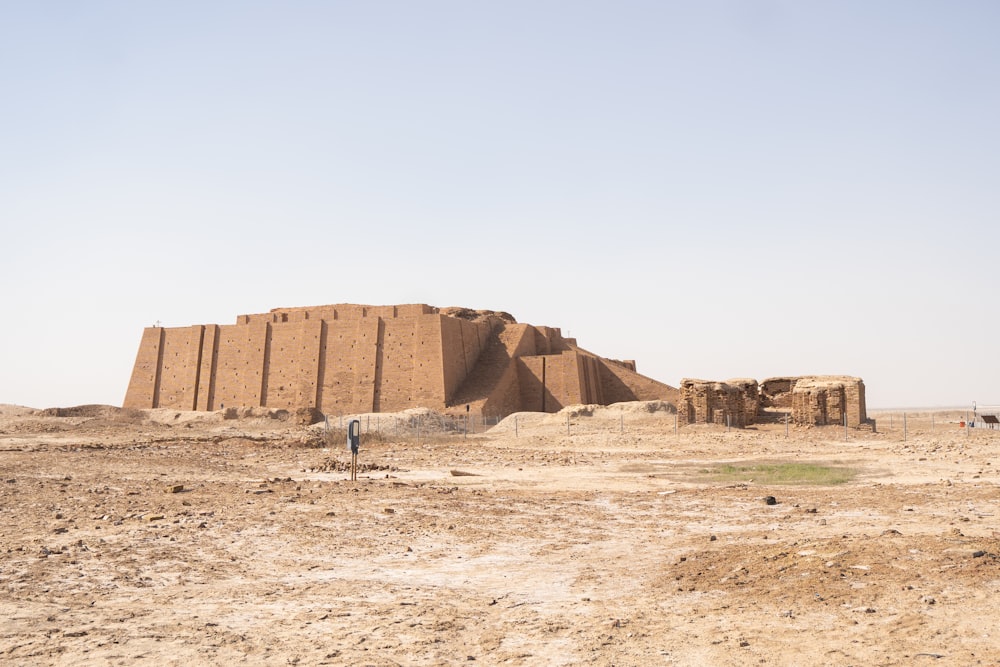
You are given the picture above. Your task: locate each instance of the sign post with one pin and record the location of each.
(353, 444)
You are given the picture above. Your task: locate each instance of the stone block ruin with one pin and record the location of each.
(814, 400)
(350, 358)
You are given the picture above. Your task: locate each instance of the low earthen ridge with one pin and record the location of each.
(351, 358)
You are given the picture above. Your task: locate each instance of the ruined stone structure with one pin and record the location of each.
(817, 401)
(351, 358)
(708, 402)
(810, 400)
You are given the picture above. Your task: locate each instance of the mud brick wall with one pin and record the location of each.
(825, 400)
(557, 374)
(708, 402)
(622, 383)
(351, 358)
(349, 363)
(293, 357)
(750, 391)
(776, 392)
(179, 365)
(462, 342)
(411, 373)
(207, 367)
(239, 367)
(504, 394)
(143, 387)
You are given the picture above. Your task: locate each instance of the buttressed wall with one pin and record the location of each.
(350, 358)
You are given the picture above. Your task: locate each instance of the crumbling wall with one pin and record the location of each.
(829, 400)
(812, 400)
(750, 391)
(777, 392)
(710, 402)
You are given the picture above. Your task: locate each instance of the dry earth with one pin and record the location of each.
(600, 542)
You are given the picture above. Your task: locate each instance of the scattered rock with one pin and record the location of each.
(770, 500)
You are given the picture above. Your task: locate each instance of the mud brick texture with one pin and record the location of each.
(350, 358)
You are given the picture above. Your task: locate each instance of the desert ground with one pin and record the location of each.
(596, 536)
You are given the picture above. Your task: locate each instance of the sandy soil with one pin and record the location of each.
(600, 542)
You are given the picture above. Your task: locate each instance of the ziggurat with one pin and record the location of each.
(349, 358)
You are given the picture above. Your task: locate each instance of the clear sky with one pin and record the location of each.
(716, 189)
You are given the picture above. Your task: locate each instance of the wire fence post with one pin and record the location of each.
(845, 427)
(786, 424)
(621, 424)
(567, 424)
(904, 427)
(515, 426)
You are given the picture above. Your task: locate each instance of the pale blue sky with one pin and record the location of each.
(715, 189)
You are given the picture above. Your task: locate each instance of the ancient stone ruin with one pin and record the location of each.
(809, 401)
(350, 358)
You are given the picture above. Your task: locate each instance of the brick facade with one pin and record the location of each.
(352, 358)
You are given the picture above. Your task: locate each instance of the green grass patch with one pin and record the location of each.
(779, 473)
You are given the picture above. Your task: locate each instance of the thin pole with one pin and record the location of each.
(904, 427)
(786, 425)
(567, 423)
(515, 426)
(621, 424)
(845, 427)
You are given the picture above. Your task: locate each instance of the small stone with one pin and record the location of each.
(175, 488)
(712, 538)
(389, 510)
(770, 500)
(978, 554)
